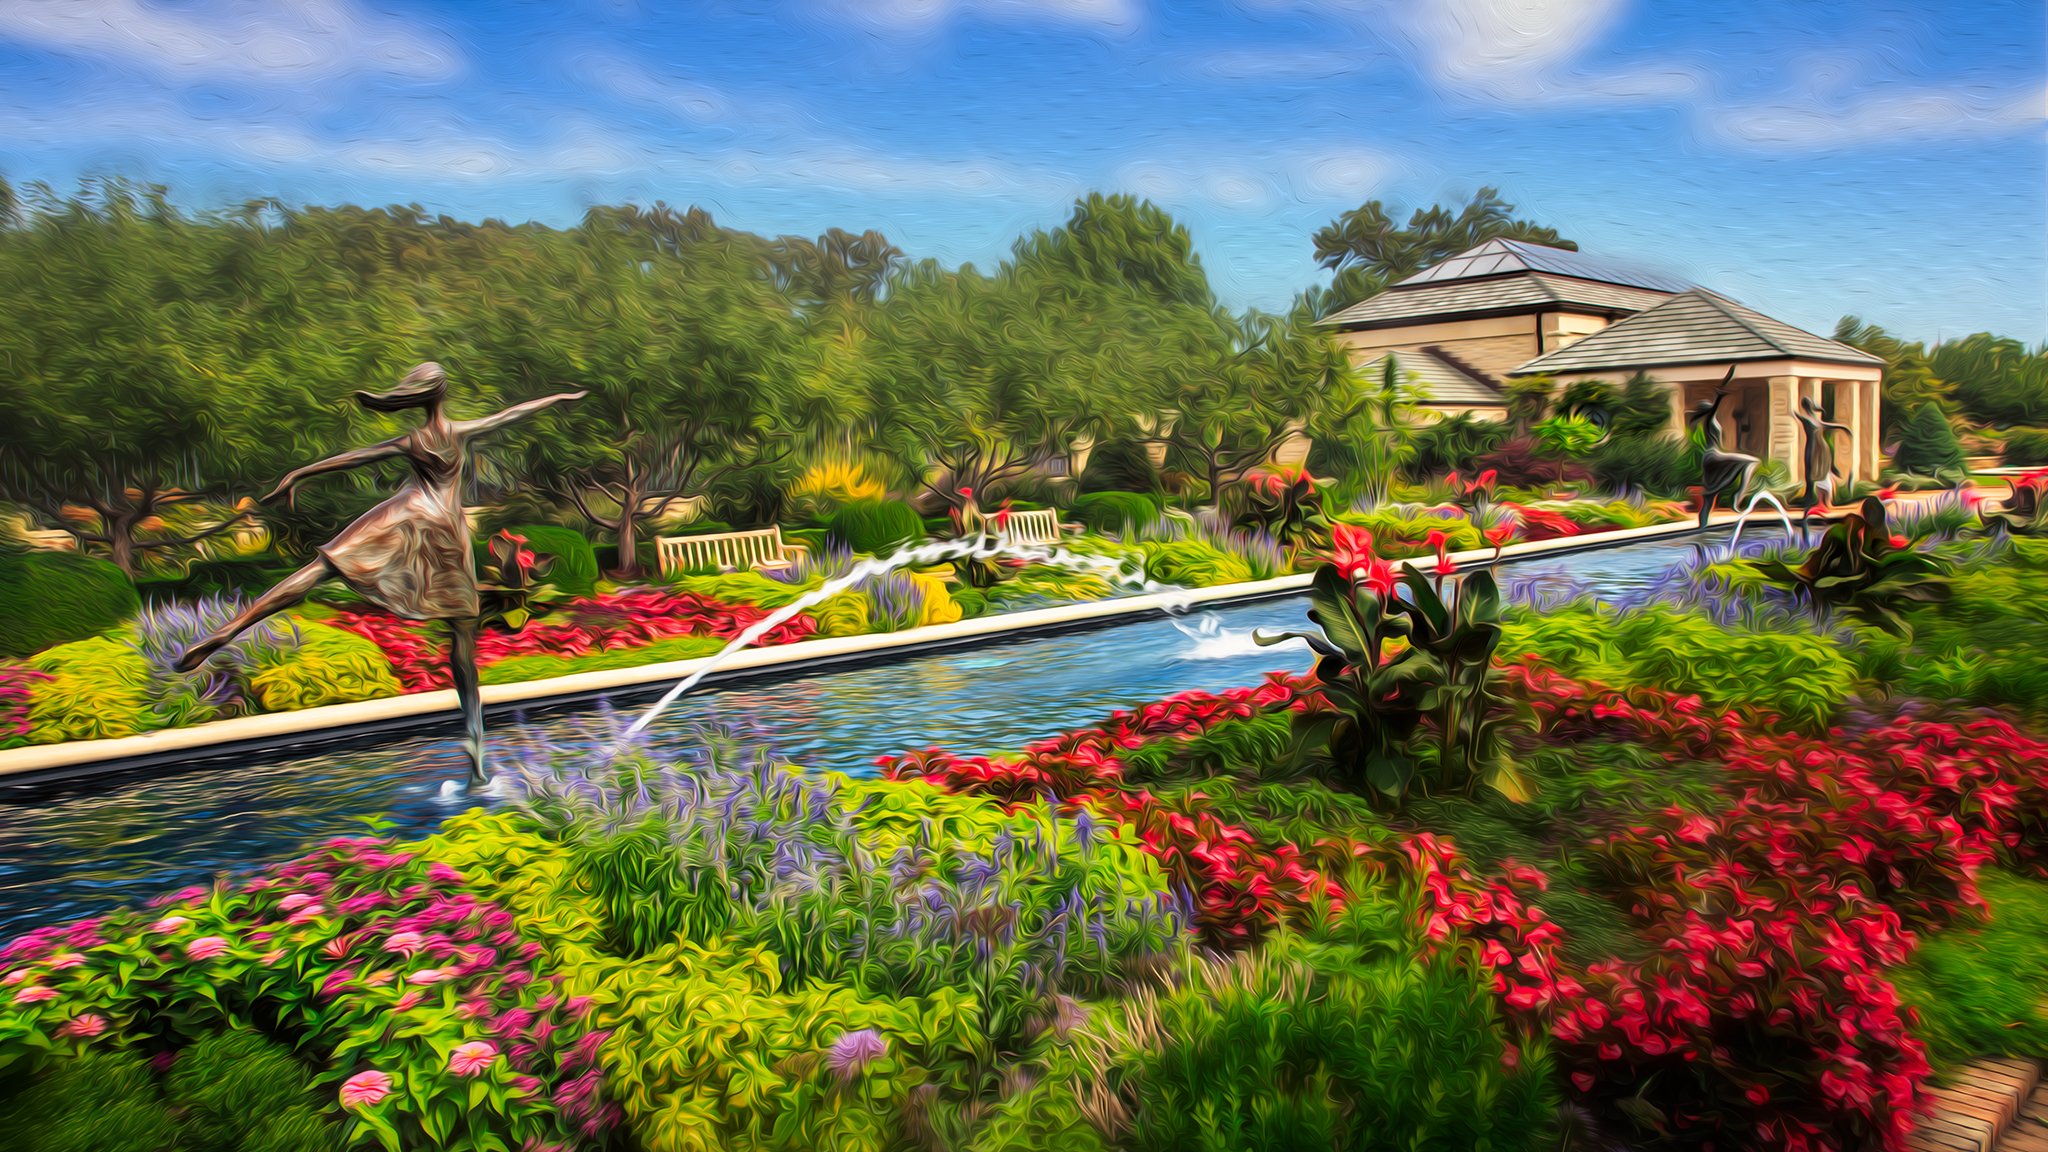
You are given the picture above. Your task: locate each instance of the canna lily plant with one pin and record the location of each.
(1388, 663)
(1861, 569)
(511, 580)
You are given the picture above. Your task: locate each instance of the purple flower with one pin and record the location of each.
(854, 1051)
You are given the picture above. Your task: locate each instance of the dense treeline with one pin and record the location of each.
(155, 358)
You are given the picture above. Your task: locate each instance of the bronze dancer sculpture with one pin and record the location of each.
(1719, 470)
(1819, 458)
(410, 555)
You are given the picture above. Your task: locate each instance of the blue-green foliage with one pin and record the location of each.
(1114, 511)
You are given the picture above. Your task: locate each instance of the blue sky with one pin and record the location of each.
(1885, 159)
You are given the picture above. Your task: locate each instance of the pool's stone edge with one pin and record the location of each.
(253, 732)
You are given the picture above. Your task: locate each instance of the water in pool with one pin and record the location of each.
(104, 843)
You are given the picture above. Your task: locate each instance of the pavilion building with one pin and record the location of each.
(1462, 329)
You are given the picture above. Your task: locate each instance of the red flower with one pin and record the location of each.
(1499, 535)
(1351, 550)
(1898, 541)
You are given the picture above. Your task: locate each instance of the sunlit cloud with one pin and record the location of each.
(1814, 119)
(258, 41)
(920, 15)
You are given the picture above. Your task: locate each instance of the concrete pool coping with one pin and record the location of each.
(286, 732)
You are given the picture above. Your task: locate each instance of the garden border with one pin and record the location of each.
(372, 720)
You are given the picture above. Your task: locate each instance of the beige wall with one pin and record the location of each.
(1495, 345)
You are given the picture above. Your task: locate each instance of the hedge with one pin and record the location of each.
(877, 527)
(52, 598)
(1114, 511)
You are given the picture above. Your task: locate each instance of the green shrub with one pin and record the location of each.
(1798, 676)
(1978, 991)
(2026, 447)
(1114, 511)
(329, 666)
(1398, 533)
(51, 598)
(1988, 645)
(739, 588)
(971, 601)
(574, 572)
(1119, 466)
(249, 575)
(227, 1092)
(1330, 1046)
(877, 527)
(1928, 444)
(1452, 444)
(1193, 564)
(1655, 464)
(98, 689)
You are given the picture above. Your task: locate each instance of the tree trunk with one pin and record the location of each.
(121, 540)
(628, 565)
(1215, 485)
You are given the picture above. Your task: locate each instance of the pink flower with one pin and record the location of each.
(379, 978)
(404, 943)
(429, 976)
(272, 956)
(306, 914)
(34, 994)
(855, 1051)
(206, 947)
(16, 976)
(169, 924)
(296, 901)
(364, 1089)
(411, 999)
(441, 873)
(83, 1027)
(62, 960)
(473, 1058)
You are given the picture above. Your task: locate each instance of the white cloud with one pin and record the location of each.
(1279, 64)
(266, 41)
(1253, 182)
(921, 15)
(1814, 119)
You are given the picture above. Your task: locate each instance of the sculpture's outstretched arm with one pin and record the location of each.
(337, 463)
(516, 413)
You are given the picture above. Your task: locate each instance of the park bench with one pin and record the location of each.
(727, 551)
(1036, 528)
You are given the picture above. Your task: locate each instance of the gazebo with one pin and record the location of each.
(1691, 340)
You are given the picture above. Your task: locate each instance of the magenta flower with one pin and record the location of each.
(854, 1051)
(404, 943)
(83, 1027)
(473, 1058)
(441, 873)
(364, 1089)
(206, 947)
(35, 994)
(411, 999)
(296, 901)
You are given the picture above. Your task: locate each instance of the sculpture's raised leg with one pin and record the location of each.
(462, 669)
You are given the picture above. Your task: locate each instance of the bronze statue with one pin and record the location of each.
(1820, 450)
(410, 555)
(1719, 471)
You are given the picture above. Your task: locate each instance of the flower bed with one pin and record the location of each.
(630, 618)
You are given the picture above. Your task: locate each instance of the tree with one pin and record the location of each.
(1364, 421)
(1928, 445)
(1231, 406)
(972, 376)
(684, 353)
(1996, 379)
(1118, 244)
(1908, 382)
(122, 396)
(1368, 252)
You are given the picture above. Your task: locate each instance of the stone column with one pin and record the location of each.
(1783, 431)
(1849, 410)
(1678, 411)
(1873, 440)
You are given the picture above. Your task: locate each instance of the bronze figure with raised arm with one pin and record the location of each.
(410, 555)
(1720, 471)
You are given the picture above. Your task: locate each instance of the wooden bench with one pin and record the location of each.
(727, 551)
(1033, 529)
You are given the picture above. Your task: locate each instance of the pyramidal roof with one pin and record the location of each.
(1694, 327)
(1504, 257)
